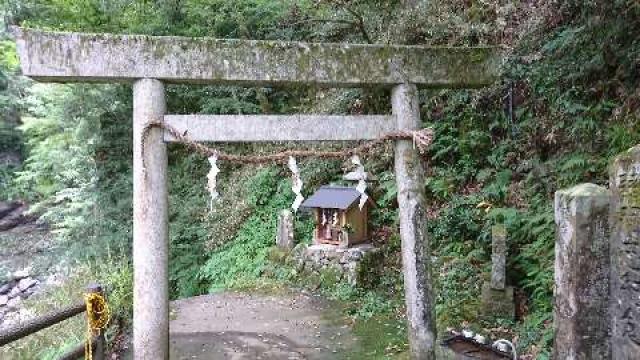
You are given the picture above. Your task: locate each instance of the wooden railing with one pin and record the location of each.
(34, 325)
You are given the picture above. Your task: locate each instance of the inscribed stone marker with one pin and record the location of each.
(625, 255)
(581, 273)
(285, 237)
(497, 298)
(498, 256)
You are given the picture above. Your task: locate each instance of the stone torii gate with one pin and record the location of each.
(150, 62)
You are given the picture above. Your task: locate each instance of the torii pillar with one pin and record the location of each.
(416, 253)
(149, 62)
(150, 225)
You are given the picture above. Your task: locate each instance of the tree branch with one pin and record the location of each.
(337, 21)
(360, 24)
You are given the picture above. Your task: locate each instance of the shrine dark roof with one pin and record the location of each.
(332, 197)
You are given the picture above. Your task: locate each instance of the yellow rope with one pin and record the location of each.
(98, 316)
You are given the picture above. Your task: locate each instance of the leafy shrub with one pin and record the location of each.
(245, 257)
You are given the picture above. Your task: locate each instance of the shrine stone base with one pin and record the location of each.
(346, 264)
(498, 303)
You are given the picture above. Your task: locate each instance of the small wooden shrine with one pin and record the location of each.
(339, 219)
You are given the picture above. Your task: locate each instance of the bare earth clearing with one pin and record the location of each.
(291, 326)
(235, 325)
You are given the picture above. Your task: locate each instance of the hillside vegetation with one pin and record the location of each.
(567, 102)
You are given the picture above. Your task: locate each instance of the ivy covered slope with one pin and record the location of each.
(499, 155)
(567, 102)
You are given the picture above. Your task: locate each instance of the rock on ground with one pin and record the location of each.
(26, 283)
(28, 254)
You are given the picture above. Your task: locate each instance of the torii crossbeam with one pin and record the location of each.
(150, 62)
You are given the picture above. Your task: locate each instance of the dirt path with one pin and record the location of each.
(291, 326)
(236, 325)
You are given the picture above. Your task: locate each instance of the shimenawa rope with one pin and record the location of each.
(421, 139)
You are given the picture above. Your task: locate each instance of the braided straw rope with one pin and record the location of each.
(98, 316)
(421, 139)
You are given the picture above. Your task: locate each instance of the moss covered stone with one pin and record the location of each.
(625, 254)
(55, 56)
(322, 260)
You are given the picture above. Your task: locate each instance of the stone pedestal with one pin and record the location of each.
(285, 238)
(345, 263)
(625, 255)
(498, 303)
(582, 273)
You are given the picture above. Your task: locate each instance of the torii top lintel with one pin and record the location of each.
(80, 57)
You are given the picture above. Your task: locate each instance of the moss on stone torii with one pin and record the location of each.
(68, 57)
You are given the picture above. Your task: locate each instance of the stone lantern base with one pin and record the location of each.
(498, 303)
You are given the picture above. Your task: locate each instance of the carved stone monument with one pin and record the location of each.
(498, 257)
(285, 238)
(497, 298)
(625, 255)
(581, 317)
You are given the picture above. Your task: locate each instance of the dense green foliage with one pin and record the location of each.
(567, 103)
(11, 88)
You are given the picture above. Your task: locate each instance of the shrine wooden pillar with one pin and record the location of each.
(416, 254)
(150, 228)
